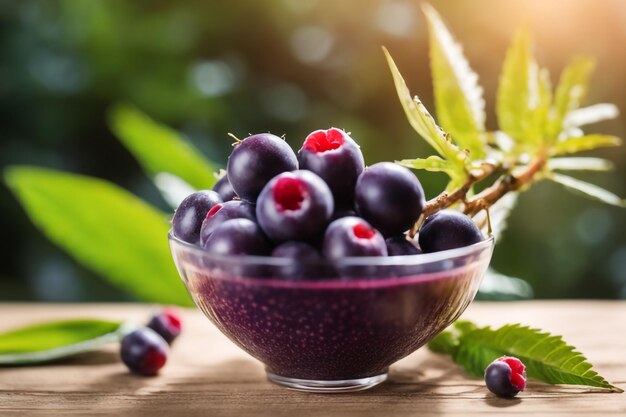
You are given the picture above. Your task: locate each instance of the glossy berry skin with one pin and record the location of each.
(390, 197)
(294, 206)
(506, 376)
(448, 229)
(238, 237)
(296, 250)
(190, 214)
(352, 236)
(219, 213)
(336, 158)
(256, 160)
(224, 189)
(304, 261)
(401, 246)
(167, 324)
(144, 352)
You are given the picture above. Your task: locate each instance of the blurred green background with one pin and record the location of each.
(290, 66)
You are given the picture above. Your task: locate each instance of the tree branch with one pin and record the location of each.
(486, 198)
(507, 183)
(445, 199)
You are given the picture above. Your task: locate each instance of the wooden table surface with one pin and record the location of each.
(208, 375)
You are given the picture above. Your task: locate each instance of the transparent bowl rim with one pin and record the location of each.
(412, 260)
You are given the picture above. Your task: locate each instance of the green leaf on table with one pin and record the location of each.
(518, 90)
(548, 358)
(584, 143)
(458, 97)
(421, 120)
(49, 341)
(586, 189)
(445, 342)
(570, 92)
(160, 149)
(579, 164)
(104, 227)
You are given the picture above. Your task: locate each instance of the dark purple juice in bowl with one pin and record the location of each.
(332, 328)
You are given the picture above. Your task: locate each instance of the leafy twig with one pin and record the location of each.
(447, 199)
(537, 125)
(547, 357)
(507, 183)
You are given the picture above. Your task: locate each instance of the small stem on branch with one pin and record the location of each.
(486, 198)
(445, 199)
(507, 183)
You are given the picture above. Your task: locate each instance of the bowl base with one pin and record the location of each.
(328, 387)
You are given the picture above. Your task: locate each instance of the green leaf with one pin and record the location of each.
(458, 97)
(588, 190)
(547, 358)
(580, 164)
(421, 120)
(570, 92)
(448, 341)
(539, 116)
(172, 188)
(464, 326)
(432, 163)
(590, 114)
(160, 149)
(55, 340)
(584, 143)
(105, 228)
(518, 91)
(445, 342)
(457, 179)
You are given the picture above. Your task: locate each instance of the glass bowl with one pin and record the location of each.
(332, 327)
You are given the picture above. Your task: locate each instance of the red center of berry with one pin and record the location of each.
(324, 140)
(363, 232)
(289, 193)
(153, 361)
(518, 371)
(173, 319)
(214, 210)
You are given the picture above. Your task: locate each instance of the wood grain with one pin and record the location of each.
(207, 375)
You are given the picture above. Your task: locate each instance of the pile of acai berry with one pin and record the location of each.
(322, 202)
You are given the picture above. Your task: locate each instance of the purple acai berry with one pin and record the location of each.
(219, 213)
(401, 246)
(256, 160)
(190, 214)
(448, 229)
(506, 376)
(238, 237)
(300, 251)
(224, 188)
(336, 158)
(390, 197)
(167, 324)
(144, 352)
(294, 206)
(352, 236)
